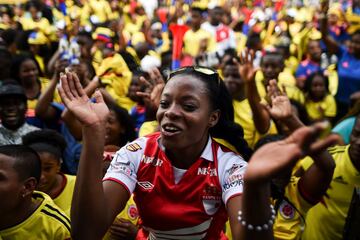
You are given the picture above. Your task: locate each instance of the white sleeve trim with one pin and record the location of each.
(231, 168)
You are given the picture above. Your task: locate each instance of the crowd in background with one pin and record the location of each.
(285, 65)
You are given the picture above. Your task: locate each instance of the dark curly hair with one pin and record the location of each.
(123, 117)
(46, 140)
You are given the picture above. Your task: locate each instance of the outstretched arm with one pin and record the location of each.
(266, 163)
(316, 180)
(331, 44)
(247, 72)
(95, 204)
(43, 108)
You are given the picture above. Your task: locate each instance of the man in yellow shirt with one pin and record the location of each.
(97, 11)
(196, 39)
(26, 214)
(327, 219)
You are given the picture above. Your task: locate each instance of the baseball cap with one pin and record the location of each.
(10, 88)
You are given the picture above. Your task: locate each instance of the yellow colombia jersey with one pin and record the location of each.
(285, 79)
(116, 76)
(63, 200)
(31, 103)
(44, 82)
(193, 39)
(99, 8)
(42, 25)
(47, 222)
(289, 222)
(328, 106)
(243, 116)
(326, 220)
(130, 213)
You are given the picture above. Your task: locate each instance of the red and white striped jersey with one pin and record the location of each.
(191, 208)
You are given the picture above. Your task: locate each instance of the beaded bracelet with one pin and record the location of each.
(258, 228)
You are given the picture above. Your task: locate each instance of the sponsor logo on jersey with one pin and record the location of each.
(148, 160)
(233, 181)
(146, 185)
(207, 171)
(125, 169)
(286, 210)
(133, 212)
(233, 168)
(133, 147)
(122, 167)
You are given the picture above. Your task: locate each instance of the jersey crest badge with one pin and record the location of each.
(133, 147)
(286, 210)
(133, 212)
(211, 199)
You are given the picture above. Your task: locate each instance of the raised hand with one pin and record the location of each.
(153, 89)
(246, 68)
(79, 104)
(280, 106)
(273, 158)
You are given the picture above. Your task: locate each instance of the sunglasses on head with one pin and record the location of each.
(204, 70)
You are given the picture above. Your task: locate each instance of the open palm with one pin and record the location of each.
(280, 103)
(78, 103)
(246, 67)
(280, 107)
(273, 158)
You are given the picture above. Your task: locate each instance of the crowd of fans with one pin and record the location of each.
(205, 119)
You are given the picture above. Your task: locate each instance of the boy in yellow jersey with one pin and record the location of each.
(327, 219)
(196, 39)
(50, 145)
(243, 113)
(26, 214)
(272, 65)
(260, 115)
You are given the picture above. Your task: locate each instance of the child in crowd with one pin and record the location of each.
(320, 104)
(138, 112)
(50, 146)
(26, 214)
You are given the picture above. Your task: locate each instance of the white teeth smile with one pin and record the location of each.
(170, 129)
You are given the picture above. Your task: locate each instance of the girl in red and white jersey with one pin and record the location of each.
(185, 184)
